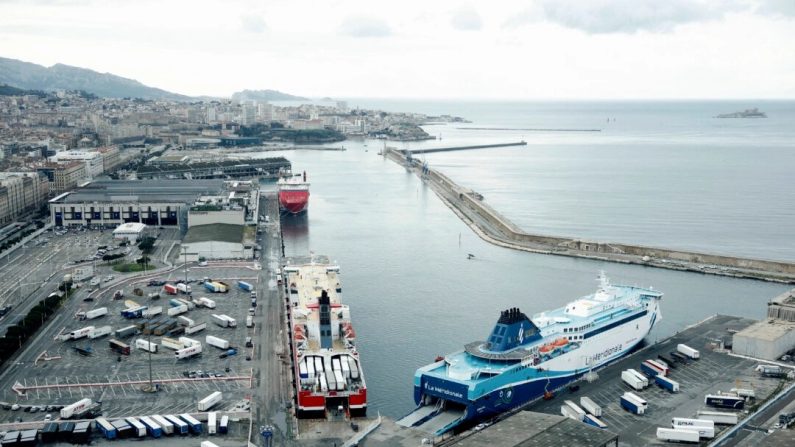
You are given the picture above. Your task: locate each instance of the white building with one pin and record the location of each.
(131, 231)
(93, 161)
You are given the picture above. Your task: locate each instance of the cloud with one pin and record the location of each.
(777, 7)
(361, 26)
(253, 24)
(624, 16)
(466, 19)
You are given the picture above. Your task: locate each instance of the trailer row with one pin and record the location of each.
(157, 426)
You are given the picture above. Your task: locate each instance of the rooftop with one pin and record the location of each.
(769, 330)
(527, 428)
(130, 227)
(167, 191)
(215, 232)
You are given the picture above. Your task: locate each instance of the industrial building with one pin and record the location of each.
(219, 241)
(237, 205)
(130, 231)
(219, 169)
(111, 203)
(773, 337)
(527, 428)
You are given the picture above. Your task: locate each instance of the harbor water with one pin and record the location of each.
(413, 292)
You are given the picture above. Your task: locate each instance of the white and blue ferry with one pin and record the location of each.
(525, 358)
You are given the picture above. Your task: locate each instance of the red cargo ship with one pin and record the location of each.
(328, 372)
(293, 194)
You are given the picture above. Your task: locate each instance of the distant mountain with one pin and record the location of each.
(30, 76)
(265, 95)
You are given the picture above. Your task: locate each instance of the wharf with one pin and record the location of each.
(462, 148)
(495, 228)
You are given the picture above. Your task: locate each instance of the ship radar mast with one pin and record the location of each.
(604, 281)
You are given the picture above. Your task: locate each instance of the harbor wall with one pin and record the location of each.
(496, 228)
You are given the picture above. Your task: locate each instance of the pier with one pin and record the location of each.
(495, 228)
(462, 148)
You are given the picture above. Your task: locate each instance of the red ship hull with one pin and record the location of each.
(293, 202)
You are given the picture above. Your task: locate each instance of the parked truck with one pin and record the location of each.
(206, 302)
(216, 287)
(585, 402)
(705, 428)
(210, 401)
(185, 321)
(688, 351)
(77, 408)
(677, 435)
(195, 328)
(245, 286)
(188, 352)
(633, 403)
(217, 342)
(189, 341)
(183, 288)
(80, 333)
(135, 312)
(594, 421)
(119, 347)
(153, 311)
(572, 410)
(249, 321)
(170, 343)
(170, 289)
(100, 332)
(181, 309)
(652, 368)
(96, 313)
(667, 383)
(146, 345)
(719, 417)
(632, 380)
(221, 320)
(126, 331)
(723, 401)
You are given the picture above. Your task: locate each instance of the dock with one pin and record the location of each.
(462, 148)
(495, 228)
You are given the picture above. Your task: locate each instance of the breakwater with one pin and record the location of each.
(461, 148)
(491, 226)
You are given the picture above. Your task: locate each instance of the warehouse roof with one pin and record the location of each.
(769, 330)
(215, 233)
(164, 191)
(526, 429)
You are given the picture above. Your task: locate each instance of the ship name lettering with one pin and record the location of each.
(606, 353)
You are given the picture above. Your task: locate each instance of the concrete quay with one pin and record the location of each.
(461, 148)
(492, 227)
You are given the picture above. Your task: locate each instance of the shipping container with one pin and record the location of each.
(666, 361)
(193, 423)
(173, 302)
(721, 401)
(652, 368)
(210, 401)
(744, 392)
(633, 403)
(185, 321)
(152, 427)
(667, 384)
(191, 305)
(65, 431)
(106, 428)
(196, 328)
(96, 313)
(678, 435)
(180, 427)
(217, 342)
(183, 288)
(688, 351)
(166, 426)
(119, 347)
(719, 417)
(100, 332)
(705, 428)
(135, 312)
(231, 321)
(170, 289)
(138, 428)
(81, 433)
(123, 429)
(146, 345)
(206, 302)
(219, 320)
(49, 433)
(640, 376)
(212, 424)
(189, 341)
(595, 421)
(245, 286)
(589, 405)
(223, 427)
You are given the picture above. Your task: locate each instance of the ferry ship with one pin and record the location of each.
(328, 372)
(527, 358)
(293, 194)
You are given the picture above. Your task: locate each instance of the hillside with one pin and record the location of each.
(264, 95)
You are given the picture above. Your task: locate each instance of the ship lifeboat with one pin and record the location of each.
(546, 349)
(299, 337)
(439, 358)
(560, 342)
(350, 334)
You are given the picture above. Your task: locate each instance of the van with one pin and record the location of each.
(249, 343)
(251, 311)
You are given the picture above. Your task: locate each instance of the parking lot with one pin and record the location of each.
(715, 371)
(117, 380)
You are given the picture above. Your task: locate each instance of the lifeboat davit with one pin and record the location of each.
(560, 342)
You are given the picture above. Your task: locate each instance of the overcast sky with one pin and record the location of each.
(502, 49)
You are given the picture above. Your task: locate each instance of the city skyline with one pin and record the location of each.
(609, 49)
